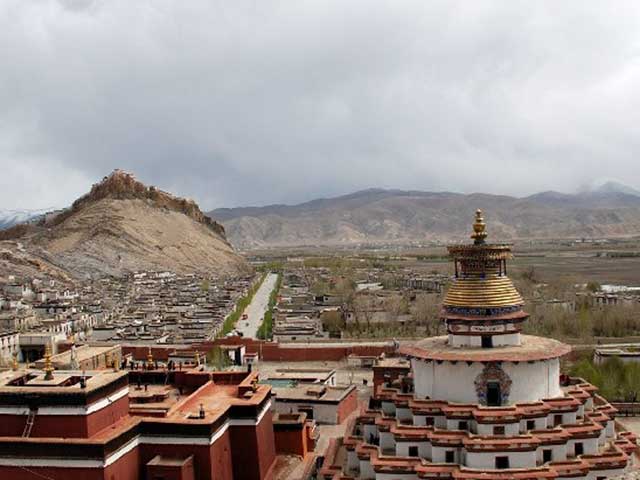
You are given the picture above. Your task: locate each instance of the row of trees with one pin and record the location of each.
(616, 380)
(585, 323)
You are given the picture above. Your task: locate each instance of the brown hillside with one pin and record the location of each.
(122, 225)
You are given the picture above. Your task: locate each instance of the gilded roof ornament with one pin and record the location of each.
(150, 363)
(479, 233)
(14, 365)
(48, 367)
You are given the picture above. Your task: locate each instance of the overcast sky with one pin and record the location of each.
(254, 102)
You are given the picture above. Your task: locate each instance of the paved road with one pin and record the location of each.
(256, 309)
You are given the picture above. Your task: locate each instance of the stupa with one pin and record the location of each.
(484, 401)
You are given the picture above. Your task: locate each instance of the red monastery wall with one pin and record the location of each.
(293, 441)
(307, 353)
(101, 419)
(347, 406)
(273, 351)
(220, 451)
(126, 468)
(202, 458)
(258, 444)
(73, 426)
(31, 473)
(269, 351)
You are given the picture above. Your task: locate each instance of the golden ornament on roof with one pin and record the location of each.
(48, 367)
(479, 226)
(481, 280)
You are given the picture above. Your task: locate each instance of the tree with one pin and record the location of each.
(320, 287)
(363, 307)
(218, 358)
(395, 306)
(593, 287)
(425, 312)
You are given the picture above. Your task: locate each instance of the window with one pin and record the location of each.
(449, 457)
(463, 425)
(546, 455)
(498, 430)
(557, 420)
(428, 421)
(413, 451)
(308, 411)
(487, 341)
(531, 424)
(502, 462)
(579, 448)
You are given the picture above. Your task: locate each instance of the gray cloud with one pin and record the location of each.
(253, 102)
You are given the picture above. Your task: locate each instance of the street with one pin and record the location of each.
(257, 308)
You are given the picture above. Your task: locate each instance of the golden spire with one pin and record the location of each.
(48, 368)
(150, 359)
(479, 233)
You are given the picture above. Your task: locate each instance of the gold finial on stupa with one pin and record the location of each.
(479, 226)
(150, 364)
(48, 367)
(14, 365)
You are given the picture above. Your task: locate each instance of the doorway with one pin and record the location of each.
(487, 341)
(494, 396)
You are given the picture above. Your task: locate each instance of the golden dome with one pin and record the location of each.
(477, 292)
(481, 280)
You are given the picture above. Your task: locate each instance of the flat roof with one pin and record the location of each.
(531, 348)
(312, 394)
(83, 352)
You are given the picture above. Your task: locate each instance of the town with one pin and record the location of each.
(324, 349)
(319, 240)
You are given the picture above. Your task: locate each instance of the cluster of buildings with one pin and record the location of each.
(162, 307)
(151, 423)
(299, 313)
(307, 313)
(159, 394)
(142, 308)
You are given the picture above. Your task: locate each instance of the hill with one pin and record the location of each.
(379, 216)
(121, 226)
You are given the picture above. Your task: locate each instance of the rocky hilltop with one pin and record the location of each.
(379, 216)
(122, 225)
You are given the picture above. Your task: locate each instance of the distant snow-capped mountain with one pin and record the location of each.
(617, 187)
(9, 218)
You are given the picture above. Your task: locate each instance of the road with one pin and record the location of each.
(256, 309)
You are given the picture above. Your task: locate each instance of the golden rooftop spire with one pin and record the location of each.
(48, 368)
(479, 226)
(150, 363)
(480, 274)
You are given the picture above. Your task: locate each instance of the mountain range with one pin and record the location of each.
(120, 226)
(378, 216)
